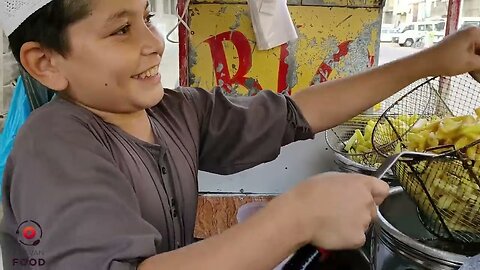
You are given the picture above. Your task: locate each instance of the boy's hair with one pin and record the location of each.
(48, 26)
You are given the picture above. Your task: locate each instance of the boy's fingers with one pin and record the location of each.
(380, 191)
(378, 188)
(476, 34)
(476, 40)
(373, 210)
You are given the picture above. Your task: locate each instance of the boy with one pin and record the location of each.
(107, 171)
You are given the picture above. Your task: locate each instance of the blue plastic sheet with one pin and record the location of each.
(18, 113)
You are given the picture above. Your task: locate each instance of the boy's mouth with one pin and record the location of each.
(152, 72)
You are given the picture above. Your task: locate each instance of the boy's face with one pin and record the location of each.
(114, 58)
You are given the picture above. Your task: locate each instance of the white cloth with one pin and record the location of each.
(272, 23)
(15, 12)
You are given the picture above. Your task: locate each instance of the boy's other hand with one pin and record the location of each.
(457, 54)
(336, 209)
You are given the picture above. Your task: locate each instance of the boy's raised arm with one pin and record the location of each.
(332, 103)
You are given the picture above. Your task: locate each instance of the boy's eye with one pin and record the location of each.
(148, 18)
(122, 31)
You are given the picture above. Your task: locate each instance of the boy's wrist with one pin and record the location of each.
(294, 221)
(418, 66)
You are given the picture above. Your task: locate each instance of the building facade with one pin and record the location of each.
(398, 12)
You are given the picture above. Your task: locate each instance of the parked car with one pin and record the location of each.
(468, 21)
(431, 31)
(388, 33)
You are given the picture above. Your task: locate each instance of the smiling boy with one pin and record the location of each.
(108, 169)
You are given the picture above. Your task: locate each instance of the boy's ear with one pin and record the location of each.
(40, 63)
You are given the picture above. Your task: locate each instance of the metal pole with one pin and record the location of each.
(453, 16)
(183, 44)
(451, 27)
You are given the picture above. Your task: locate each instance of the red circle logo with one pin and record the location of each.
(29, 232)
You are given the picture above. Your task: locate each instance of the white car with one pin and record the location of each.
(468, 21)
(388, 34)
(430, 31)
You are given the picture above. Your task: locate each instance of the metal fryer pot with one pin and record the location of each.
(395, 244)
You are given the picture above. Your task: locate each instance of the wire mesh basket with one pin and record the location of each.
(445, 187)
(352, 140)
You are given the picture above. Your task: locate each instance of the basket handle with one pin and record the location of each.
(388, 163)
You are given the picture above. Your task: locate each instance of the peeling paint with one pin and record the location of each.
(357, 59)
(236, 24)
(232, 91)
(245, 70)
(332, 48)
(192, 61)
(346, 3)
(325, 2)
(291, 61)
(250, 84)
(221, 11)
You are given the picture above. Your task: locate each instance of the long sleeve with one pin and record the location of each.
(65, 181)
(238, 133)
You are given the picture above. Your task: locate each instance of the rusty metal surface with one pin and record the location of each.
(217, 213)
(345, 3)
(220, 50)
(325, 3)
(333, 42)
(183, 37)
(453, 16)
(290, 2)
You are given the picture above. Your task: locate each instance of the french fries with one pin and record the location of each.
(359, 146)
(454, 132)
(449, 182)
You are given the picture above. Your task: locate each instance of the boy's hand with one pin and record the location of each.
(336, 209)
(457, 54)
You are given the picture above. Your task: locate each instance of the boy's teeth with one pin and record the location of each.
(149, 73)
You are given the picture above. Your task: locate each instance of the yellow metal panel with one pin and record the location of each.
(294, 2)
(222, 2)
(351, 3)
(333, 42)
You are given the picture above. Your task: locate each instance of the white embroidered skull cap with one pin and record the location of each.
(15, 12)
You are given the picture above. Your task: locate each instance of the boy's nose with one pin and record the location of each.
(153, 42)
